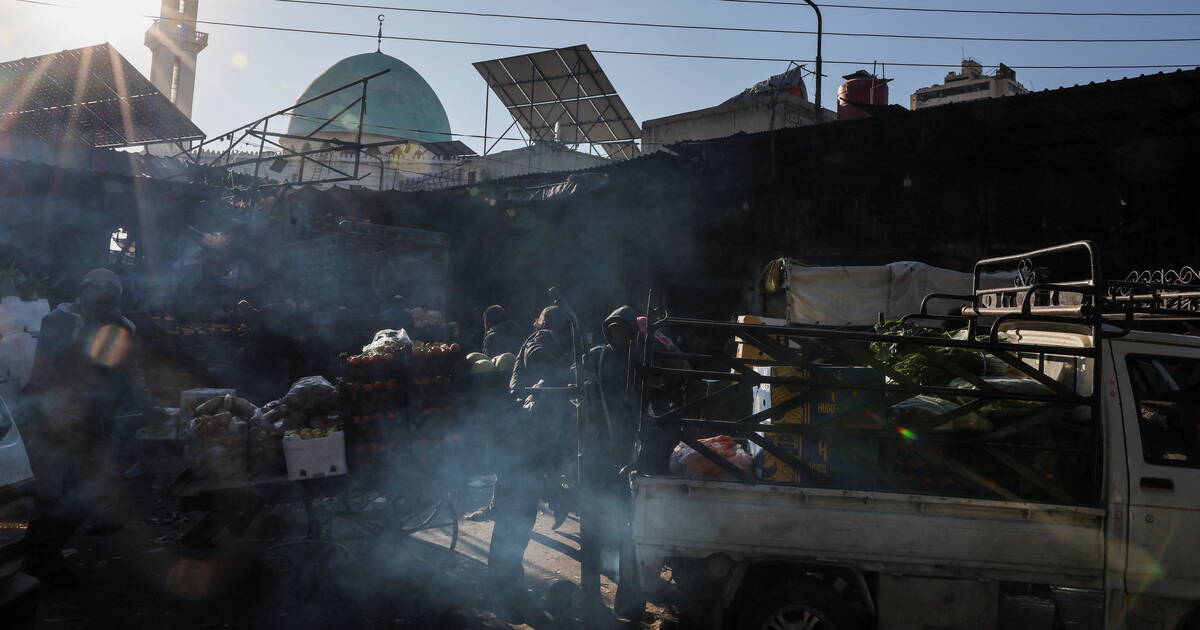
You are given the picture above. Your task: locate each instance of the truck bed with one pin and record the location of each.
(873, 531)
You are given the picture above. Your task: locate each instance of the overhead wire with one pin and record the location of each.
(645, 53)
(740, 29)
(440, 133)
(825, 5)
(393, 128)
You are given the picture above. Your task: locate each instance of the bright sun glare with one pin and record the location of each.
(108, 19)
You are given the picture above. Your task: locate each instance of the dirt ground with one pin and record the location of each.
(142, 577)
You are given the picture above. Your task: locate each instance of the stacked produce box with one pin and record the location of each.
(828, 459)
(228, 437)
(399, 398)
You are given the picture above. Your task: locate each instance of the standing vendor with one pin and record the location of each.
(395, 316)
(610, 434)
(87, 367)
(501, 334)
(532, 445)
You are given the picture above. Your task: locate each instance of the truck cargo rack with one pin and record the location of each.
(1035, 437)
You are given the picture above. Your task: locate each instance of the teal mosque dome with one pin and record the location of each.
(399, 103)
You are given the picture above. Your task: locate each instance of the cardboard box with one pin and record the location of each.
(747, 351)
(828, 459)
(315, 457)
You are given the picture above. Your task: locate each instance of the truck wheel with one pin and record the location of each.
(796, 606)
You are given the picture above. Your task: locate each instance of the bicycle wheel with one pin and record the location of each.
(421, 530)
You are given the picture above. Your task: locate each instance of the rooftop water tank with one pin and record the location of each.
(860, 88)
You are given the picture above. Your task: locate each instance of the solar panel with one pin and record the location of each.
(92, 94)
(563, 95)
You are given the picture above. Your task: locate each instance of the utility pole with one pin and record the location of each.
(820, 32)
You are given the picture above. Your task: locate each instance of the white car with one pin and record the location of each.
(18, 591)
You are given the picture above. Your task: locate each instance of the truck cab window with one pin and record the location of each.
(1167, 397)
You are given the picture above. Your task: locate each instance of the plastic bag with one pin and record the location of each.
(388, 340)
(686, 462)
(311, 394)
(1006, 409)
(919, 412)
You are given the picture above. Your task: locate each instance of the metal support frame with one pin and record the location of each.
(809, 350)
(526, 119)
(1092, 303)
(263, 135)
(518, 114)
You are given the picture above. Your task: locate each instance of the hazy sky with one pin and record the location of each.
(247, 73)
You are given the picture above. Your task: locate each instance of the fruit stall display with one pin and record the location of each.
(228, 437)
(395, 400)
(425, 402)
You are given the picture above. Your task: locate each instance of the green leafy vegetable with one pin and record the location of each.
(905, 359)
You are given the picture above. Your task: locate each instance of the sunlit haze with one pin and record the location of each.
(245, 73)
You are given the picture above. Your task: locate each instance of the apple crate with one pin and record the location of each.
(315, 457)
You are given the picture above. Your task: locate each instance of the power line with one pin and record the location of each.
(467, 135)
(739, 29)
(672, 55)
(440, 133)
(391, 128)
(980, 11)
(643, 53)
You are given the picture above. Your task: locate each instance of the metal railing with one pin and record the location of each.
(1035, 430)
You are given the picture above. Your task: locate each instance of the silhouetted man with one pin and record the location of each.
(501, 334)
(87, 367)
(532, 447)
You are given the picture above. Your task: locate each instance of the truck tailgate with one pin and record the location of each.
(875, 531)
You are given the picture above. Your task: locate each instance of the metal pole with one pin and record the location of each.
(261, 144)
(362, 112)
(820, 33)
(487, 89)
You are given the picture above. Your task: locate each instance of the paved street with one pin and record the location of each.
(141, 577)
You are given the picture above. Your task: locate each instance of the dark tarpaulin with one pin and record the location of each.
(572, 184)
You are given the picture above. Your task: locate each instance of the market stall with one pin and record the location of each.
(387, 445)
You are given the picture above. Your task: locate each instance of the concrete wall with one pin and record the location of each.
(751, 114)
(541, 157)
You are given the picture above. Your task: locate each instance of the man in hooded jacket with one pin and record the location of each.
(612, 435)
(87, 367)
(501, 334)
(531, 447)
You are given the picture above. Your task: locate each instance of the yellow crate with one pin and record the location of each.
(747, 351)
(816, 454)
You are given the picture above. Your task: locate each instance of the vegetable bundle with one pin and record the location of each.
(907, 360)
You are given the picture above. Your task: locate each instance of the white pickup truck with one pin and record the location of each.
(1083, 512)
